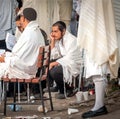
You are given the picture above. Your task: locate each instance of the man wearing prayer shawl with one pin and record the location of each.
(64, 49)
(21, 62)
(97, 36)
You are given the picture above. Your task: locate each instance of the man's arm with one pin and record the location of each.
(53, 64)
(52, 41)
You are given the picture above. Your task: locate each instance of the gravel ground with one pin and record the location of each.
(112, 101)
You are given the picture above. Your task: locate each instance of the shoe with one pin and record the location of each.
(59, 96)
(71, 93)
(52, 89)
(101, 111)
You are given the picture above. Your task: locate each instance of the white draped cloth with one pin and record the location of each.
(70, 60)
(97, 35)
(22, 61)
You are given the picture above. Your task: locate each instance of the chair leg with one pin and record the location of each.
(1, 92)
(28, 92)
(50, 97)
(41, 96)
(18, 92)
(14, 97)
(5, 97)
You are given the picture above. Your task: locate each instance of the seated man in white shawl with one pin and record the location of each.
(21, 62)
(67, 66)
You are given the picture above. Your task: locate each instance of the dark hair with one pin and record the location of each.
(30, 14)
(61, 25)
(17, 18)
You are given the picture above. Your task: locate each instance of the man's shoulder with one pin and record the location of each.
(69, 35)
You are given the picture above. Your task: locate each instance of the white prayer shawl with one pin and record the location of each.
(22, 61)
(97, 33)
(70, 59)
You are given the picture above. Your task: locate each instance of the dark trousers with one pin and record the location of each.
(56, 74)
(2, 44)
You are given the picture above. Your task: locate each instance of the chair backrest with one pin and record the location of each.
(46, 55)
(40, 57)
(43, 60)
(46, 59)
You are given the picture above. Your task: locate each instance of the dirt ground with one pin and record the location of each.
(112, 102)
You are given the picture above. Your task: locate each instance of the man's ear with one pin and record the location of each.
(22, 18)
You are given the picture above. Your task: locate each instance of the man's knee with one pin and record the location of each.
(56, 72)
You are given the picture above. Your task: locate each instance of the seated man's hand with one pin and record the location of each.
(53, 64)
(2, 59)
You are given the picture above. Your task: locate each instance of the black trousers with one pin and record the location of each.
(2, 44)
(56, 74)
